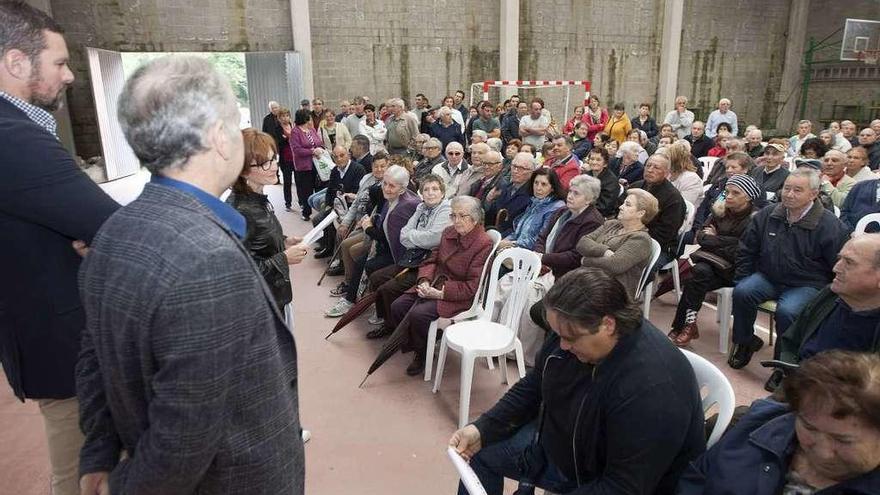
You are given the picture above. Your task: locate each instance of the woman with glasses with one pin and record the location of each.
(271, 250)
(447, 281)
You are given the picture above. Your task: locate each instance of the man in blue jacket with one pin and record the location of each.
(611, 407)
(46, 203)
(787, 254)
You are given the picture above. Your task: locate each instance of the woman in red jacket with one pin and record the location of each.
(447, 280)
(595, 117)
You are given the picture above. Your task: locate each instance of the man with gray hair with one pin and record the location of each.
(787, 253)
(723, 114)
(508, 201)
(402, 128)
(46, 201)
(187, 366)
(431, 157)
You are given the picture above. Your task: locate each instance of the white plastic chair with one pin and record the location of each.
(646, 288)
(485, 338)
(690, 213)
(725, 316)
(718, 391)
(473, 311)
(707, 162)
(865, 221)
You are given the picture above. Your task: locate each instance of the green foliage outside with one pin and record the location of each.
(231, 65)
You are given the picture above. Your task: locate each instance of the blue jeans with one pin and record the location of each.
(756, 289)
(316, 199)
(503, 460)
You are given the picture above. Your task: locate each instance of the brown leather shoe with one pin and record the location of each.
(687, 334)
(673, 334)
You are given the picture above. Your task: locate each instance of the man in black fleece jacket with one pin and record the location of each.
(611, 407)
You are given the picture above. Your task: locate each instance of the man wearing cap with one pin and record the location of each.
(772, 172)
(305, 104)
(787, 255)
(835, 182)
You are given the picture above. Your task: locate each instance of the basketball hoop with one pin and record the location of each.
(868, 57)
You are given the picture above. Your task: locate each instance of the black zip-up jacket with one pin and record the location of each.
(800, 254)
(629, 425)
(265, 241)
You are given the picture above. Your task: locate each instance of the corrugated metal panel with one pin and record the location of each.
(107, 80)
(273, 76)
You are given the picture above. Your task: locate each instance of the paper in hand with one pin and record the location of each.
(318, 232)
(468, 477)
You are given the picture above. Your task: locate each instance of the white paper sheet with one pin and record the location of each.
(318, 232)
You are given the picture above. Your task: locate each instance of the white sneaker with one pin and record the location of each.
(306, 436)
(339, 309)
(376, 320)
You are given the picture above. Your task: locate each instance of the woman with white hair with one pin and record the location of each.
(631, 169)
(396, 207)
(447, 281)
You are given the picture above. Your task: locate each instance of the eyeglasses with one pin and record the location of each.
(453, 153)
(456, 216)
(492, 163)
(267, 165)
(520, 167)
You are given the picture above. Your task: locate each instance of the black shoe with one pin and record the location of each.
(774, 381)
(742, 353)
(417, 366)
(336, 271)
(323, 253)
(380, 333)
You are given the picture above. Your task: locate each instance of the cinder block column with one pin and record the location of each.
(300, 21)
(509, 45)
(670, 53)
(791, 70)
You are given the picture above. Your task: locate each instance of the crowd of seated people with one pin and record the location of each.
(588, 196)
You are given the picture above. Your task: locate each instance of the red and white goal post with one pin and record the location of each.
(485, 85)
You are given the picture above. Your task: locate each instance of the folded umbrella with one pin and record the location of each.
(392, 345)
(358, 309)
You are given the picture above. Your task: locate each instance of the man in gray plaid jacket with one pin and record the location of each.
(187, 378)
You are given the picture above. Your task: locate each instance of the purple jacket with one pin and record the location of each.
(302, 148)
(405, 208)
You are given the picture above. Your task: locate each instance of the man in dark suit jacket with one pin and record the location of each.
(345, 179)
(360, 152)
(186, 364)
(46, 203)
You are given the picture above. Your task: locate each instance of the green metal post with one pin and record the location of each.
(808, 73)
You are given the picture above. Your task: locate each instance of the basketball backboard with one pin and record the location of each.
(860, 38)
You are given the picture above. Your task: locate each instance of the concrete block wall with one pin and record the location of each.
(398, 48)
(614, 45)
(734, 49)
(159, 26)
